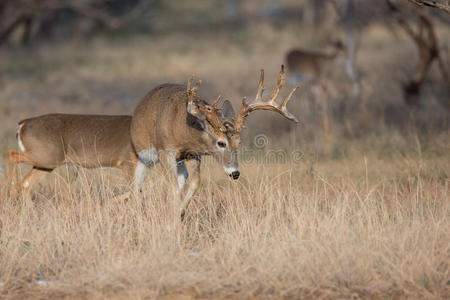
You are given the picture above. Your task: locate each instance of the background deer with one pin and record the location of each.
(172, 123)
(312, 65)
(89, 141)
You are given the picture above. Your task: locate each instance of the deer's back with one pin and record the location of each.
(161, 121)
(86, 140)
(307, 63)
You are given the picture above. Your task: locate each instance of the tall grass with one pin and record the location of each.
(352, 228)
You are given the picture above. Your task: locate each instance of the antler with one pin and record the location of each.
(210, 112)
(192, 91)
(214, 104)
(269, 104)
(211, 115)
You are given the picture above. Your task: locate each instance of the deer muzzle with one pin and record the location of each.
(235, 175)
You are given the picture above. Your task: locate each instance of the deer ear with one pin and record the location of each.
(227, 111)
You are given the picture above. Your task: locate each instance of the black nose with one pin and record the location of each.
(235, 175)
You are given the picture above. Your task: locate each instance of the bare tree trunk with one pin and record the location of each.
(27, 32)
(314, 12)
(351, 51)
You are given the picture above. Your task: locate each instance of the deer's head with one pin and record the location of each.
(223, 128)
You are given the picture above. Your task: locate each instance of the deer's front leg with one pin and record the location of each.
(193, 185)
(180, 170)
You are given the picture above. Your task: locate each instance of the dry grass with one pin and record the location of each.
(354, 228)
(365, 214)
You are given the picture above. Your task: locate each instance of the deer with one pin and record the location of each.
(312, 65)
(89, 141)
(174, 125)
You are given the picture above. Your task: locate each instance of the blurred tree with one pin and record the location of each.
(39, 18)
(351, 50)
(426, 41)
(434, 3)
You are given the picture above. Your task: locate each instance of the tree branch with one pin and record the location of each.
(432, 3)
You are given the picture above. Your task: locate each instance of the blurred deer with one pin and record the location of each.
(310, 65)
(90, 141)
(173, 124)
(314, 67)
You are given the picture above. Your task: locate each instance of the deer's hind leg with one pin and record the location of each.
(12, 167)
(128, 170)
(30, 179)
(14, 158)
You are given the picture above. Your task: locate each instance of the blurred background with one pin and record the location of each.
(372, 74)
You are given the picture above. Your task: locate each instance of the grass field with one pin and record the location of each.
(363, 214)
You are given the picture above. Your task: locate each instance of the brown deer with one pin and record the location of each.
(172, 123)
(89, 141)
(312, 65)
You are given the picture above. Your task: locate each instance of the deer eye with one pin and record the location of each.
(221, 144)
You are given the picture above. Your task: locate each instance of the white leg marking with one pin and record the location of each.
(191, 190)
(193, 185)
(26, 184)
(139, 176)
(19, 141)
(178, 168)
(182, 174)
(149, 157)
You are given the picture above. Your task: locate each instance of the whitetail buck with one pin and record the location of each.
(171, 122)
(312, 65)
(89, 141)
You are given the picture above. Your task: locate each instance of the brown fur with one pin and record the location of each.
(89, 141)
(311, 63)
(173, 124)
(161, 121)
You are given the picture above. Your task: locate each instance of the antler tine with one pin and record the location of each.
(260, 87)
(192, 91)
(243, 112)
(195, 88)
(286, 113)
(214, 104)
(188, 87)
(277, 89)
